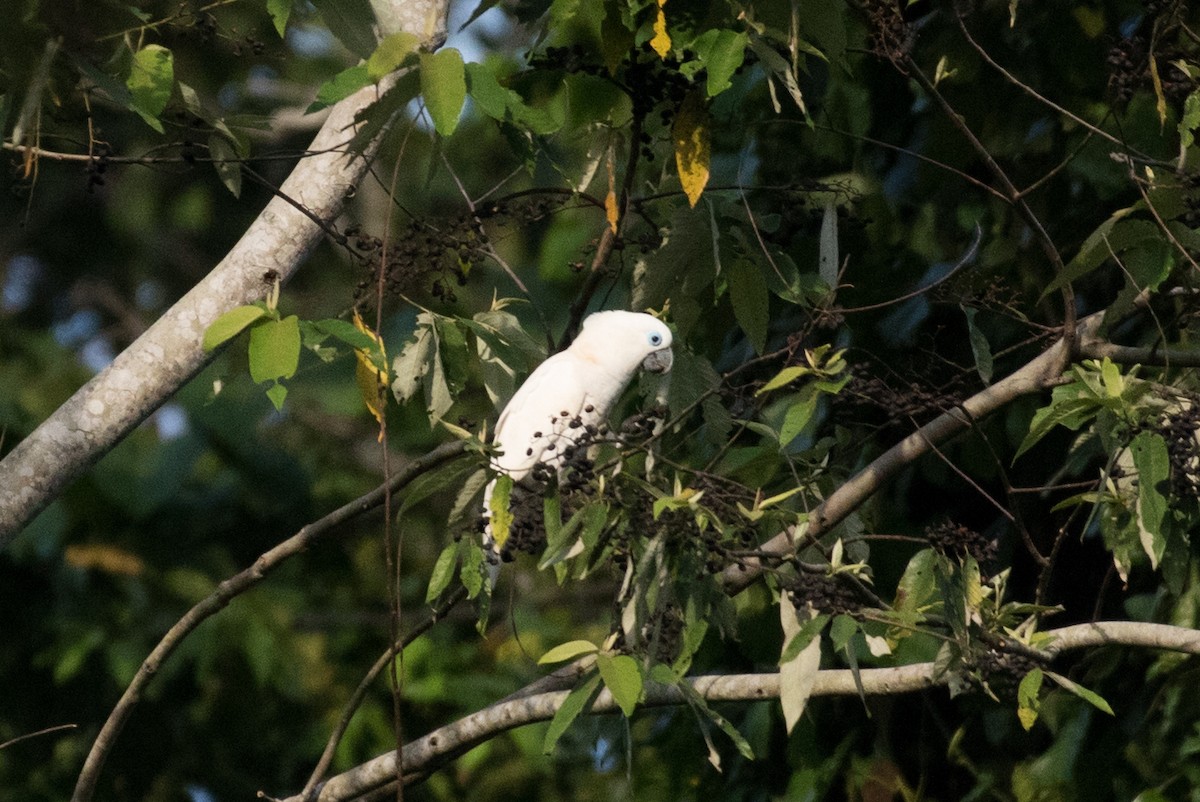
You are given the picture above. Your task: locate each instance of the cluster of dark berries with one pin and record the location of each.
(900, 405)
(891, 36)
(958, 542)
(1129, 71)
(97, 165)
(1181, 428)
(651, 82)
(567, 59)
(417, 254)
(1001, 671)
(825, 592)
(252, 44)
(205, 24)
(638, 427)
(664, 633)
(527, 532)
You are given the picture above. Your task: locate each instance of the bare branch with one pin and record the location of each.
(101, 413)
(1036, 375)
(225, 593)
(424, 755)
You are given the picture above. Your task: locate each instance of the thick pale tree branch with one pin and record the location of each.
(1034, 376)
(147, 373)
(425, 754)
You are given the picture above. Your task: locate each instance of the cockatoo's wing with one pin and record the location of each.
(530, 430)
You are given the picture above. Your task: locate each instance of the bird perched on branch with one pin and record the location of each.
(570, 395)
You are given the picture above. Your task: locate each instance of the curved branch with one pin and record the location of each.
(102, 412)
(424, 755)
(235, 585)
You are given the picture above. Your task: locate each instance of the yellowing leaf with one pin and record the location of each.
(693, 149)
(610, 210)
(662, 40)
(370, 377)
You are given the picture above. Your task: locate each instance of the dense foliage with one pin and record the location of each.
(972, 221)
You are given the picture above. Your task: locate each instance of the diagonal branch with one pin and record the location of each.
(101, 413)
(225, 593)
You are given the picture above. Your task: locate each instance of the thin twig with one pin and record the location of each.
(229, 589)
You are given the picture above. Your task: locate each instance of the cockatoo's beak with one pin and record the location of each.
(659, 361)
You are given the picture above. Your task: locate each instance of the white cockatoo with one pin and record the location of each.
(573, 390)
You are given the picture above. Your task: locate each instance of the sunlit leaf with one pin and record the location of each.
(693, 149)
(444, 87)
(151, 79)
(274, 349)
(230, 324)
(568, 651)
(392, 52)
(498, 505)
(280, 11)
(661, 43)
(1028, 698)
(623, 679)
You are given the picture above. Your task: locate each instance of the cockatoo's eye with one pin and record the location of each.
(655, 338)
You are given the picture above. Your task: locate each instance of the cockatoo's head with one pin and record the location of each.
(627, 340)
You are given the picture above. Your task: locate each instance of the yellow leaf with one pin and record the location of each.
(101, 557)
(371, 380)
(611, 212)
(1160, 103)
(662, 40)
(692, 146)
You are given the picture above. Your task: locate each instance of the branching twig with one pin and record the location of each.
(235, 585)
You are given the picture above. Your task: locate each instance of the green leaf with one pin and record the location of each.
(347, 332)
(783, 378)
(721, 51)
(1072, 413)
(841, 631)
(578, 700)
(498, 504)
(748, 293)
(414, 362)
(808, 632)
(151, 80)
(623, 679)
(568, 651)
(471, 572)
(491, 98)
(698, 702)
(277, 393)
(1028, 698)
(443, 571)
(828, 261)
(230, 324)
(280, 11)
(798, 416)
(352, 22)
(444, 87)
(979, 346)
(1189, 121)
(1091, 697)
(225, 160)
(342, 85)
(391, 53)
(274, 349)
(1153, 463)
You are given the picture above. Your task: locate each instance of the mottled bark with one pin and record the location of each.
(144, 376)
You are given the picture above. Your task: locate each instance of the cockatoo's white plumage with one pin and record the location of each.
(581, 383)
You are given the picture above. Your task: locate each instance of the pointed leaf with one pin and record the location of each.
(1091, 697)
(391, 53)
(443, 571)
(979, 346)
(151, 80)
(623, 679)
(1028, 699)
(693, 147)
(751, 306)
(502, 517)
(568, 651)
(230, 324)
(798, 674)
(828, 260)
(576, 702)
(1153, 463)
(275, 349)
(225, 160)
(444, 87)
(280, 11)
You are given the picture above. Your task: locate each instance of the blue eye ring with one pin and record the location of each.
(655, 338)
